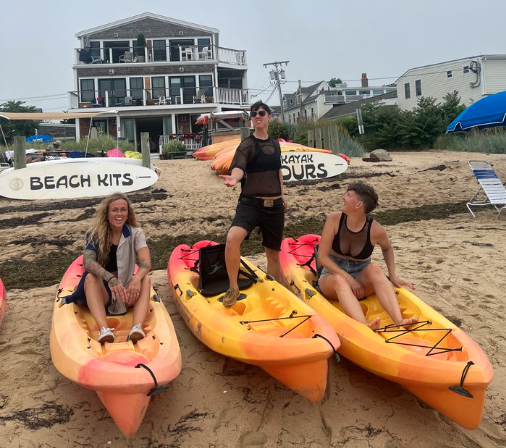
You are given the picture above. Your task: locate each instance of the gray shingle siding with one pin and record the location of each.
(158, 69)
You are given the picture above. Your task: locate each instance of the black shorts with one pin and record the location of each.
(251, 213)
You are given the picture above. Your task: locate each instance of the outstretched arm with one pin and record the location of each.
(235, 176)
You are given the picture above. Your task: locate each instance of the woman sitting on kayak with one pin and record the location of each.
(110, 286)
(345, 250)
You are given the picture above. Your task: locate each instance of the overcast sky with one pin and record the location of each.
(321, 38)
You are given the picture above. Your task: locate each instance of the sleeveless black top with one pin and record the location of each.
(112, 264)
(353, 244)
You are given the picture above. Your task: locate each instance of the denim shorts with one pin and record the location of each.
(352, 267)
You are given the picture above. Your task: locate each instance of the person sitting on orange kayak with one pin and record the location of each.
(347, 243)
(109, 285)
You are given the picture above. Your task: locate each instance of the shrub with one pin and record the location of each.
(174, 146)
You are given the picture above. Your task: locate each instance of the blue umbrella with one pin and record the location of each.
(39, 138)
(488, 112)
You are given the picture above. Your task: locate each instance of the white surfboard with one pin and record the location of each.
(306, 165)
(76, 178)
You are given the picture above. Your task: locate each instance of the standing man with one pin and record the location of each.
(257, 166)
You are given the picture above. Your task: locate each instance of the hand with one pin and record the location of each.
(229, 181)
(398, 282)
(133, 291)
(356, 287)
(117, 289)
(285, 203)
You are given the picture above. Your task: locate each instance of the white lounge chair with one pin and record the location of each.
(492, 191)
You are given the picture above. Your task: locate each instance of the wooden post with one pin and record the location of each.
(245, 133)
(334, 133)
(318, 138)
(19, 152)
(146, 159)
(310, 138)
(326, 138)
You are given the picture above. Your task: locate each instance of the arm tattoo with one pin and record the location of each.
(144, 265)
(92, 266)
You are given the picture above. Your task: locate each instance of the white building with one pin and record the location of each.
(472, 77)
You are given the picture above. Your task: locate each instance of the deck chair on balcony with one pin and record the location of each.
(128, 56)
(491, 191)
(200, 96)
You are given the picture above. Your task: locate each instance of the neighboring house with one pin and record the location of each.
(160, 88)
(315, 101)
(350, 109)
(472, 77)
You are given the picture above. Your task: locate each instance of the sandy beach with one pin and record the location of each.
(456, 262)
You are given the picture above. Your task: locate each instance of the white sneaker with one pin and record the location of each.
(136, 334)
(106, 335)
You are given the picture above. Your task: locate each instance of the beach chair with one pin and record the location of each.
(491, 192)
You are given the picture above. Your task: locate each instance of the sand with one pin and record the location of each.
(455, 261)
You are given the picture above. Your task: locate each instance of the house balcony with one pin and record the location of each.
(175, 98)
(149, 55)
(344, 99)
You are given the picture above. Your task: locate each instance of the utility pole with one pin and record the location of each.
(277, 76)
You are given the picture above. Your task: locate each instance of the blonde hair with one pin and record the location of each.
(100, 232)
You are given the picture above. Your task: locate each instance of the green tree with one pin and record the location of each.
(277, 129)
(21, 127)
(334, 81)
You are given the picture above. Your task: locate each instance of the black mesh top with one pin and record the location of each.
(260, 160)
(353, 244)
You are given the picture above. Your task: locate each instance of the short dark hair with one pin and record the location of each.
(366, 194)
(261, 104)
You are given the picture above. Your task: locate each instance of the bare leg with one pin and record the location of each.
(96, 298)
(273, 266)
(334, 287)
(235, 237)
(374, 275)
(142, 304)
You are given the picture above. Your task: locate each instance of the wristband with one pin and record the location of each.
(110, 278)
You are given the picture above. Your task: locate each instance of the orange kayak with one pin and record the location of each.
(3, 301)
(124, 375)
(270, 328)
(434, 360)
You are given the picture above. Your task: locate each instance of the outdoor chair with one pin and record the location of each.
(200, 97)
(491, 192)
(127, 57)
(188, 54)
(205, 53)
(96, 59)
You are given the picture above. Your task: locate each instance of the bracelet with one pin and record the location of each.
(110, 278)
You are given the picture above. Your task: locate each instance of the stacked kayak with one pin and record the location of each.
(270, 327)
(210, 151)
(433, 359)
(3, 301)
(124, 375)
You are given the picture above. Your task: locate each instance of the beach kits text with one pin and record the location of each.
(81, 181)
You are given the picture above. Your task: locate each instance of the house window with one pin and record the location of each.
(87, 90)
(407, 92)
(136, 88)
(449, 74)
(465, 69)
(158, 83)
(159, 50)
(312, 112)
(206, 83)
(418, 87)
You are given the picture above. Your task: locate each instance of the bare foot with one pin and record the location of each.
(407, 322)
(374, 324)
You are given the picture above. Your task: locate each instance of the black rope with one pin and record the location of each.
(292, 316)
(318, 335)
(460, 389)
(391, 329)
(157, 389)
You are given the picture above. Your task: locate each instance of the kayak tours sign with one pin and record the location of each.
(306, 165)
(75, 178)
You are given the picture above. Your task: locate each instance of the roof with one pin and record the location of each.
(349, 108)
(146, 15)
(481, 56)
(310, 89)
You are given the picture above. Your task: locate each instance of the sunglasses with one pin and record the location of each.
(262, 113)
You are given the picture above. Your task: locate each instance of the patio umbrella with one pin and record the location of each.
(39, 138)
(488, 112)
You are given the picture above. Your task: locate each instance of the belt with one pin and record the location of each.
(268, 203)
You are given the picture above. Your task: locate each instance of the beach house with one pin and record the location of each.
(154, 74)
(472, 77)
(315, 101)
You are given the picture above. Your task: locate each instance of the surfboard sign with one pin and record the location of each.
(307, 165)
(76, 178)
